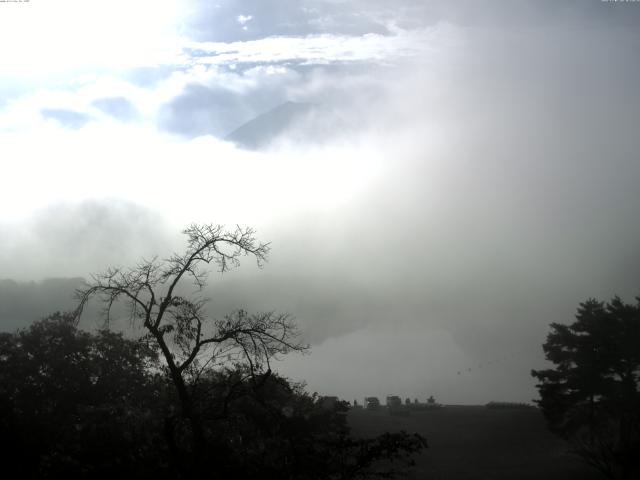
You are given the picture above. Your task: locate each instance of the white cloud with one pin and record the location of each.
(328, 48)
(186, 180)
(243, 20)
(24, 113)
(39, 38)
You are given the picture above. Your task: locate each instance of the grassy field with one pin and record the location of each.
(469, 442)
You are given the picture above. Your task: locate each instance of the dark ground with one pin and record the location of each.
(469, 442)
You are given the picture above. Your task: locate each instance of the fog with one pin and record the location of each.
(468, 178)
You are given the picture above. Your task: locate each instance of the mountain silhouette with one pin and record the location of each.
(265, 128)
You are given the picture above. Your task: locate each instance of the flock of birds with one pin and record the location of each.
(495, 361)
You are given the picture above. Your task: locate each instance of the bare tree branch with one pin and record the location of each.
(180, 327)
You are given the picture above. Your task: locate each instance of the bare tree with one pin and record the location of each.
(187, 338)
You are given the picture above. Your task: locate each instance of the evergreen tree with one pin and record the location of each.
(591, 395)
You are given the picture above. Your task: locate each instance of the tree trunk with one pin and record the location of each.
(187, 409)
(176, 463)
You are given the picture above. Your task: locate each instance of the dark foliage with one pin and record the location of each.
(279, 431)
(76, 404)
(591, 397)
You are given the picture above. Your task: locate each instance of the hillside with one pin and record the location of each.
(265, 128)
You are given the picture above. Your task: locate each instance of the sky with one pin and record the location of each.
(464, 174)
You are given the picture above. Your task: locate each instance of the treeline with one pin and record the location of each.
(508, 405)
(23, 302)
